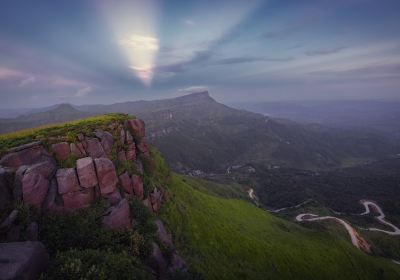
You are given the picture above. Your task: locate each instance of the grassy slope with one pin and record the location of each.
(231, 239)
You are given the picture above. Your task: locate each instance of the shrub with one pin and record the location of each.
(96, 264)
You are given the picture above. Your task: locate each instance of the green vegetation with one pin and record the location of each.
(232, 239)
(64, 131)
(83, 249)
(96, 265)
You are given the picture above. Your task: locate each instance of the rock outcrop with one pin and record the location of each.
(118, 216)
(106, 175)
(86, 172)
(22, 260)
(32, 175)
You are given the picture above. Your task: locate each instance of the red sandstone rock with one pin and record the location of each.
(106, 140)
(155, 199)
(122, 156)
(86, 172)
(126, 183)
(61, 150)
(81, 148)
(118, 216)
(67, 180)
(137, 127)
(80, 137)
(34, 187)
(78, 200)
(94, 148)
(106, 175)
(138, 186)
(129, 137)
(75, 150)
(114, 197)
(51, 201)
(143, 147)
(131, 152)
(122, 137)
(26, 155)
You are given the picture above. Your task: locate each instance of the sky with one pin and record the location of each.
(102, 51)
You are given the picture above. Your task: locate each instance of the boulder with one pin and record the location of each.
(23, 260)
(26, 155)
(52, 201)
(6, 187)
(81, 148)
(34, 189)
(122, 156)
(106, 139)
(155, 199)
(67, 180)
(61, 150)
(114, 197)
(126, 183)
(45, 168)
(137, 183)
(131, 152)
(94, 149)
(106, 175)
(86, 172)
(19, 174)
(122, 137)
(75, 151)
(118, 216)
(78, 200)
(157, 262)
(137, 127)
(162, 234)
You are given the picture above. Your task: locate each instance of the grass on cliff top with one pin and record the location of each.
(232, 239)
(67, 131)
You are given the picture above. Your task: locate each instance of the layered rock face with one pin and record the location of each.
(30, 173)
(71, 175)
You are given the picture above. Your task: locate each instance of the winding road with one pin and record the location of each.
(381, 218)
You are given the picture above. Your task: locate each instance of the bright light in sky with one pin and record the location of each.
(141, 52)
(134, 24)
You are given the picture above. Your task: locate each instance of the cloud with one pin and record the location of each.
(6, 73)
(188, 22)
(325, 51)
(238, 60)
(192, 89)
(179, 67)
(27, 81)
(82, 92)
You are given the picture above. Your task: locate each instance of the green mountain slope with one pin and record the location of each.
(231, 239)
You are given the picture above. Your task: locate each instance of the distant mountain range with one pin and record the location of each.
(194, 132)
(381, 116)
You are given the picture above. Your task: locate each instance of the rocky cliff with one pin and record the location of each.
(69, 168)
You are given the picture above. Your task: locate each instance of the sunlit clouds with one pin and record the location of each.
(134, 24)
(141, 52)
